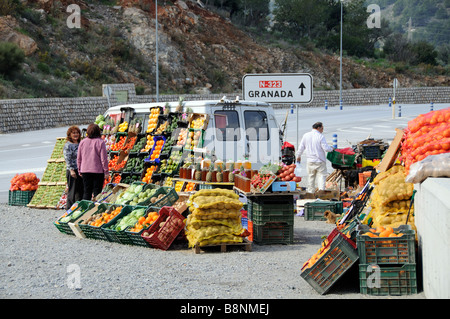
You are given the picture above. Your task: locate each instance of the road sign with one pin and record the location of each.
(278, 87)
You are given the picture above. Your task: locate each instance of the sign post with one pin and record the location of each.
(278, 87)
(282, 88)
(395, 85)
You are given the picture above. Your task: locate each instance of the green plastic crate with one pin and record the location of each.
(170, 197)
(337, 260)
(116, 236)
(20, 198)
(84, 206)
(92, 232)
(390, 250)
(135, 238)
(273, 233)
(379, 280)
(340, 159)
(261, 214)
(315, 210)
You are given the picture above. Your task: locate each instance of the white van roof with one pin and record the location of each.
(145, 107)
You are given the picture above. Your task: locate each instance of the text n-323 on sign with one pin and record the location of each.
(278, 87)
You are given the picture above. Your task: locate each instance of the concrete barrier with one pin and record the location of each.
(432, 219)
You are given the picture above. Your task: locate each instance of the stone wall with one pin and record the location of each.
(35, 114)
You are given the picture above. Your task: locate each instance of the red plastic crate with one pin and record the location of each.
(162, 237)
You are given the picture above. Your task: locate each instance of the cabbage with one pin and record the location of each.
(99, 118)
(138, 189)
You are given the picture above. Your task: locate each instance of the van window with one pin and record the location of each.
(256, 125)
(227, 125)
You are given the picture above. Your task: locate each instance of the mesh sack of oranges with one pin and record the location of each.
(427, 134)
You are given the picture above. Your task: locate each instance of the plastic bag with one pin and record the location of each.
(298, 169)
(432, 166)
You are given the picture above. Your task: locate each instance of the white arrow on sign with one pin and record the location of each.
(278, 87)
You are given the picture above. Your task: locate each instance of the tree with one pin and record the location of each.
(424, 52)
(397, 48)
(11, 58)
(301, 18)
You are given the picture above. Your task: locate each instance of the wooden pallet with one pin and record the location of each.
(224, 247)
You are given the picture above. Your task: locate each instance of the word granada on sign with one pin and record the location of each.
(270, 84)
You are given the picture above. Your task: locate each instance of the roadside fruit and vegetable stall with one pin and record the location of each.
(164, 190)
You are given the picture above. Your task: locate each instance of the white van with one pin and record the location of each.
(237, 130)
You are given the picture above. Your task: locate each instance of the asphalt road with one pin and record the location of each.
(29, 151)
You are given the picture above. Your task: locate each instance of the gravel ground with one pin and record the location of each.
(37, 262)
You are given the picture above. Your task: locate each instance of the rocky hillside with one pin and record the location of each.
(199, 52)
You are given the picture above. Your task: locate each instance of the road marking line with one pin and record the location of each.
(21, 171)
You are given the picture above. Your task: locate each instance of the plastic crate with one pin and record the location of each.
(148, 200)
(269, 203)
(273, 233)
(158, 237)
(94, 232)
(387, 280)
(340, 255)
(83, 205)
(135, 238)
(340, 159)
(20, 198)
(372, 151)
(315, 210)
(363, 177)
(386, 250)
(116, 236)
(261, 214)
(170, 197)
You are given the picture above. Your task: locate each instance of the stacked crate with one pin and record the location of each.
(315, 210)
(272, 219)
(387, 265)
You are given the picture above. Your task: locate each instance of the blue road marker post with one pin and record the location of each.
(326, 104)
(399, 111)
(335, 140)
(390, 102)
(431, 106)
(292, 108)
(340, 105)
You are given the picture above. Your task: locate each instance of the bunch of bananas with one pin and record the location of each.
(123, 127)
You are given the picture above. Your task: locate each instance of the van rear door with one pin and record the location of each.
(261, 136)
(226, 133)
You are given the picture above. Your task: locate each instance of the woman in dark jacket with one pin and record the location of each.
(74, 180)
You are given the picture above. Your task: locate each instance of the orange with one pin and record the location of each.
(392, 235)
(380, 229)
(385, 233)
(370, 234)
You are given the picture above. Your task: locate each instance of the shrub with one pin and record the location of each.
(11, 58)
